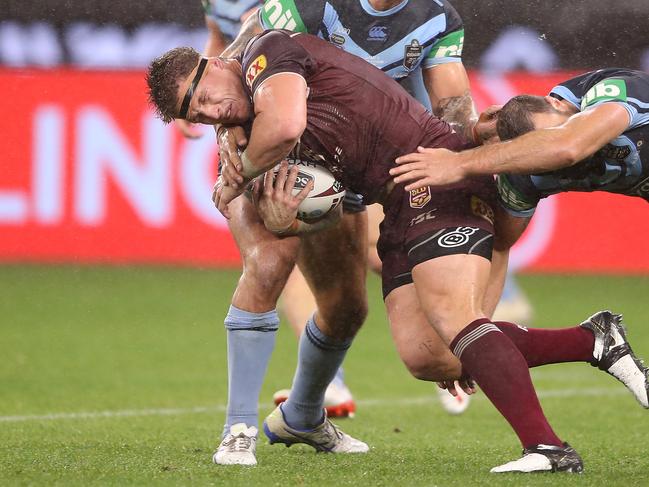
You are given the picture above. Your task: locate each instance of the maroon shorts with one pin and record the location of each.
(432, 222)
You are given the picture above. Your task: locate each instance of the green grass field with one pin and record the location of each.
(117, 376)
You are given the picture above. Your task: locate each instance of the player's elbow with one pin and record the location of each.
(285, 133)
(563, 153)
(289, 130)
(569, 154)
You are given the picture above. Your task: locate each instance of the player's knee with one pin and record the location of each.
(345, 319)
(504, 242)
(266, 275)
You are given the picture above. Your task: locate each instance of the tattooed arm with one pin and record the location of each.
(250, 28)
(450, 96)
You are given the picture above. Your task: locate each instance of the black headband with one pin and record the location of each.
(190, 91)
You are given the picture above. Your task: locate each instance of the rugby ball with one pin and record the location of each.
(327, 193)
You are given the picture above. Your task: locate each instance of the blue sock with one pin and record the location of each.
(510, 290)
(251, 338)
(339, 378)
(319, 358)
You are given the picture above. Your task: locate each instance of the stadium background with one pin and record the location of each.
(89, 177)
(87, 170)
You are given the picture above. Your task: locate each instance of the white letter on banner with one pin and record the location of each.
(48, 176)
(198, 171)
(13, 207)
(102, 151)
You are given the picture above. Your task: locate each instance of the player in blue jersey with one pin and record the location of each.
(418, 42)
(588, 134)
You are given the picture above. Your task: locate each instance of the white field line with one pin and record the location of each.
(407, 401)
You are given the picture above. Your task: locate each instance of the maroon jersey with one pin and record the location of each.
(358, 119)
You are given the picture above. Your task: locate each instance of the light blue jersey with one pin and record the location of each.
(621, 166)
(414, 34)
(227, 14)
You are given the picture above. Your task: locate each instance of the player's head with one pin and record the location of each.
(182, 84)
(525, 113)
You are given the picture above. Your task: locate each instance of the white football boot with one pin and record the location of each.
(545, 458)
(325, 437)
(453, 404)
(612, 353)
(238, 447)
(338, 400)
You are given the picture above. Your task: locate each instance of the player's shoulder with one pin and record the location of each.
(268, 38)
(607, 84)
(272, 52)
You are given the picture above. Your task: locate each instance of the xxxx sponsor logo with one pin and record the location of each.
(255, 68)
(420, 197)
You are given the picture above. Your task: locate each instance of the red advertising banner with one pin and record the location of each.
(89, 175)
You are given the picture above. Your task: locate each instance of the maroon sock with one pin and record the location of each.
(542, 346)
(500, 370)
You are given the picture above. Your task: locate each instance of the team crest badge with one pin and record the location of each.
(412, 53)
(255, 68)
(482, 209)
(419, 197)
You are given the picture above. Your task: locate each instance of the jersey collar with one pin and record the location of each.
(382, 13)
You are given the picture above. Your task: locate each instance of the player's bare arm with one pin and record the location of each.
(450, 96)
(280, 119)
(538, 151)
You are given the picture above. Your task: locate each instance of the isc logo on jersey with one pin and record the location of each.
(280, 14)
(609, 89)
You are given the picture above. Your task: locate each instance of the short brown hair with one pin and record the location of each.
(515, 117)
(164, 76)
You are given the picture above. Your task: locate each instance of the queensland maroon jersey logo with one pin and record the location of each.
(419, 197)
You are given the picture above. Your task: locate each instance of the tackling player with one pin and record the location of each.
(588, 134)
(293, 88)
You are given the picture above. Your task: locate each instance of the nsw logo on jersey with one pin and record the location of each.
(411, 54)
(255, 68)
(608, 89)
